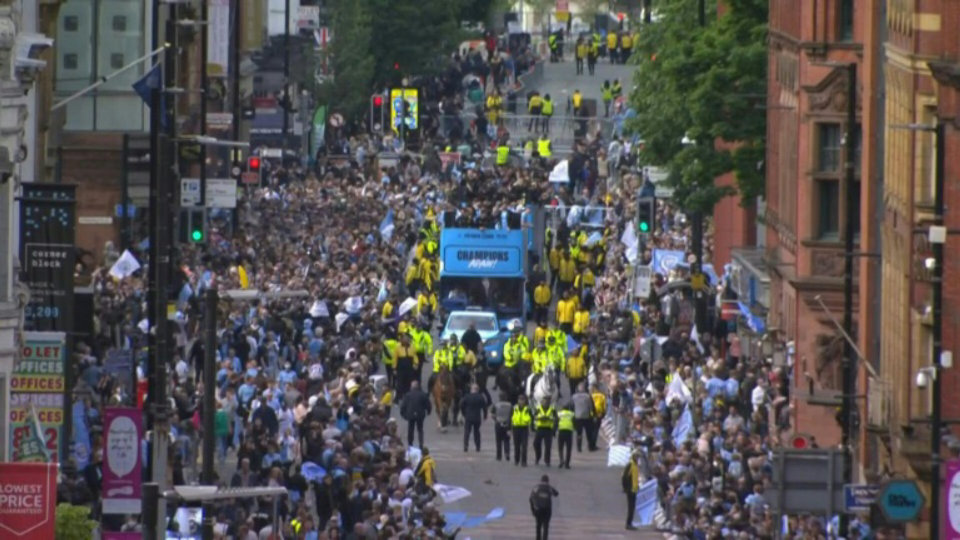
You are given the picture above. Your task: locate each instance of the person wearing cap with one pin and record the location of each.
(565, 435)
(520, 421)
(539, 358)
(541, 505)
(516, 348)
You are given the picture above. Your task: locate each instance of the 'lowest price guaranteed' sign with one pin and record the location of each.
(28, 500)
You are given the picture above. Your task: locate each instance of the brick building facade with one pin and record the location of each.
(805, 212)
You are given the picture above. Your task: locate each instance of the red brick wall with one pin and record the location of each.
(94, 161)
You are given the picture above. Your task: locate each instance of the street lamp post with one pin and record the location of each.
(937, 237)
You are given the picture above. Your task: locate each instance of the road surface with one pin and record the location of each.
(591, 503)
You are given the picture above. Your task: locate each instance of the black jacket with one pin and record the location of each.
(415, 405)
(474, 407)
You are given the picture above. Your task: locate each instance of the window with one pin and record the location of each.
(98, 38)
(857, 148)
(829, 148)
(828, 209)
(845, 21)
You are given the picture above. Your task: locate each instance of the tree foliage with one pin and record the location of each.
(349, 58)
(376, 43)
(73, 523)
(707, 84)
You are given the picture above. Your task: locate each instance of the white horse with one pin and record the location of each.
(545, 387)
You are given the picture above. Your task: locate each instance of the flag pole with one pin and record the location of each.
(105, 78)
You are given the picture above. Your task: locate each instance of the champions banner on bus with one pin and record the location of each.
(28, 500)
(36, 398)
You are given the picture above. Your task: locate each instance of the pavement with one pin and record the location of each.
(560, 81)
(591, 503)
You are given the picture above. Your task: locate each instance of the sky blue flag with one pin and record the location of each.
(683, 427)
(711, 273)
(80, 449)
(387, 226)
(572, 344)
(185, 293)
(312, 472)
(646, 504)
(665, 260)
(152, 79)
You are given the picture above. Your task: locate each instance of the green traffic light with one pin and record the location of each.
(644, 226)
(196, 235)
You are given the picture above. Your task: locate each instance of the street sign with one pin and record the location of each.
(221, 192)
(642, 285)
(901, 501)
(859, 497)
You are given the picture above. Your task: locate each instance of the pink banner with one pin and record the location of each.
(122, 462)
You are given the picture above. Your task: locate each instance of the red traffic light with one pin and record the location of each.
(620, 16)
(396, 65)
(800, 442)
(377, 101)
(253, 163)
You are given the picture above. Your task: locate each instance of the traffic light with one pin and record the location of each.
(645, 214)
(376, 110)
(253, 164)
(196, 234)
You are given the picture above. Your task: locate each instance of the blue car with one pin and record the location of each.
(488, 326)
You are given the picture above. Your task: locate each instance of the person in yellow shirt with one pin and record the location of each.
(631, 485)
(427, 469)
(626, 46)
(494, 107)
(577, 368)
(581, 54)
(585, 278)
(553, 257)
(388, 356)
(412, 278)
(541, 332)
(600, 411)
(545, 113)
(405, 362)
(577, 101)
(541, 301)
(567, 272)
(426, 273)
(581, 323)
(534, 104)
(386, 312)
(612, 47)
(566, 309)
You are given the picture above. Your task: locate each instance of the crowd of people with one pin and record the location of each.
(308, 390)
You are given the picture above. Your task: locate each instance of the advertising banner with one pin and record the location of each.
(122, 432)
(36, 397)
(218, 38)
(473, 252)
(119, 365)
(951, 499)
(28, 500)
(47, 229)
(397, 97)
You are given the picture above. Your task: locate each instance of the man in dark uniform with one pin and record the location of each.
(414, 408)
(541, 505)
(474, 408)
